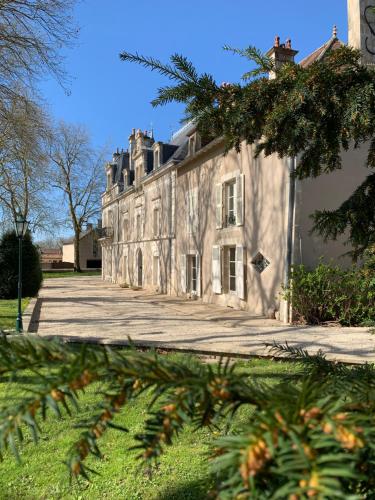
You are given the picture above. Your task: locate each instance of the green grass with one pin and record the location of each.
(70, 274)
(183, 472)
(8, 313)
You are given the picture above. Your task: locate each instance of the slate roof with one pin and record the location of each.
(333, 44)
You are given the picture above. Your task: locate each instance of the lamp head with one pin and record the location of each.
(21, 225)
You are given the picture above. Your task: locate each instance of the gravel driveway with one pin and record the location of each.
(89, 309)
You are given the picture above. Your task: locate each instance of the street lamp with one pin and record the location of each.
(21, 228)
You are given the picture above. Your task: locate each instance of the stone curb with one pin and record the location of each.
(29, 313)
(159, 345)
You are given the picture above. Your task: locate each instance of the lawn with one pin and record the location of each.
(70, 274)
(8, 313)
(183, 472)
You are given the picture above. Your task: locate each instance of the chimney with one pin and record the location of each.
(281, 53)
(361, 23)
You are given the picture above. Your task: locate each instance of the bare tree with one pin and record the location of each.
(24, 186)
(77, 173)
(32, 33)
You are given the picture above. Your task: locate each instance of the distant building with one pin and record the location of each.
(50, 258)
(90, 252)
(193, 220)
(50, 255)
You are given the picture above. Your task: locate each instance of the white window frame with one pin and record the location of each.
(138, 226)
(192, 210)
(216, 269)
(156, 221)
(156, 258)
(125, 229)
(230, 201)
(192, 265)
(157, 158)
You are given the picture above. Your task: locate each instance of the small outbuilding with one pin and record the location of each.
(90, 252)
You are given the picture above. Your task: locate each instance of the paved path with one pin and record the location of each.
(92, 310)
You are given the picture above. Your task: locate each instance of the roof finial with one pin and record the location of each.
(334, 31)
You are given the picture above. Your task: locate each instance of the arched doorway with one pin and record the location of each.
(140, 267)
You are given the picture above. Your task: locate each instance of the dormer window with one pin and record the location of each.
(156, 159)
(191, 145)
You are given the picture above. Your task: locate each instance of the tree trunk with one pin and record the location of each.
(77, 266)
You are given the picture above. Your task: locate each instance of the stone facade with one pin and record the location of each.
(361, 22)
(190, 220)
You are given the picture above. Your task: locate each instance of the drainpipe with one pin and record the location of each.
(289, 261)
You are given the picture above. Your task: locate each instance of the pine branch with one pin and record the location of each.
(264, 63)
(180, 70)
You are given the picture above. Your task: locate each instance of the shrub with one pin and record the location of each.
(329, 293)
(313, 438)
(32, 273)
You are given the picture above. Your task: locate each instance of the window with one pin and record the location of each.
(156, 159)
(126, 230)
(156, 222)
(191, 145)
(229, 274)
(138, 225)
(155, 270)
(260, 262)
(229, 203)
(192, 211)
(192, 273)
(124, 268)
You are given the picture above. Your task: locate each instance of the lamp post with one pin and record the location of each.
(21, 228)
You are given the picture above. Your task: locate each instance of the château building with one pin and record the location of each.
(184, 218)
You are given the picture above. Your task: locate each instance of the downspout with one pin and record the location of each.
(289, 261)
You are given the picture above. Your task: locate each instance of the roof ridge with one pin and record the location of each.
(319, 53)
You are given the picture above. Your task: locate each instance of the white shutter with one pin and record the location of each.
(192, 211)
(240, 278)
(219, 206)
(198, 274)
(188, 212)
(216, 270)
(183, 272)
(195, 218)
(240, 184)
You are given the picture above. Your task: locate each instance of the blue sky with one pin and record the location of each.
(111, 97)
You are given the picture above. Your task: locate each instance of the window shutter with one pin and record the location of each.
(195, 218)
(183, 272)
(240, 200)
(219, 206)
(188, 211)
(192, 211)
(240, 275)
(216, 270)
(198, 274)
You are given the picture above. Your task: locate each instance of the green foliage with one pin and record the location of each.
(32, 273)
(301, 440)
(8, 312)
(331, 294)
(313, 114)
